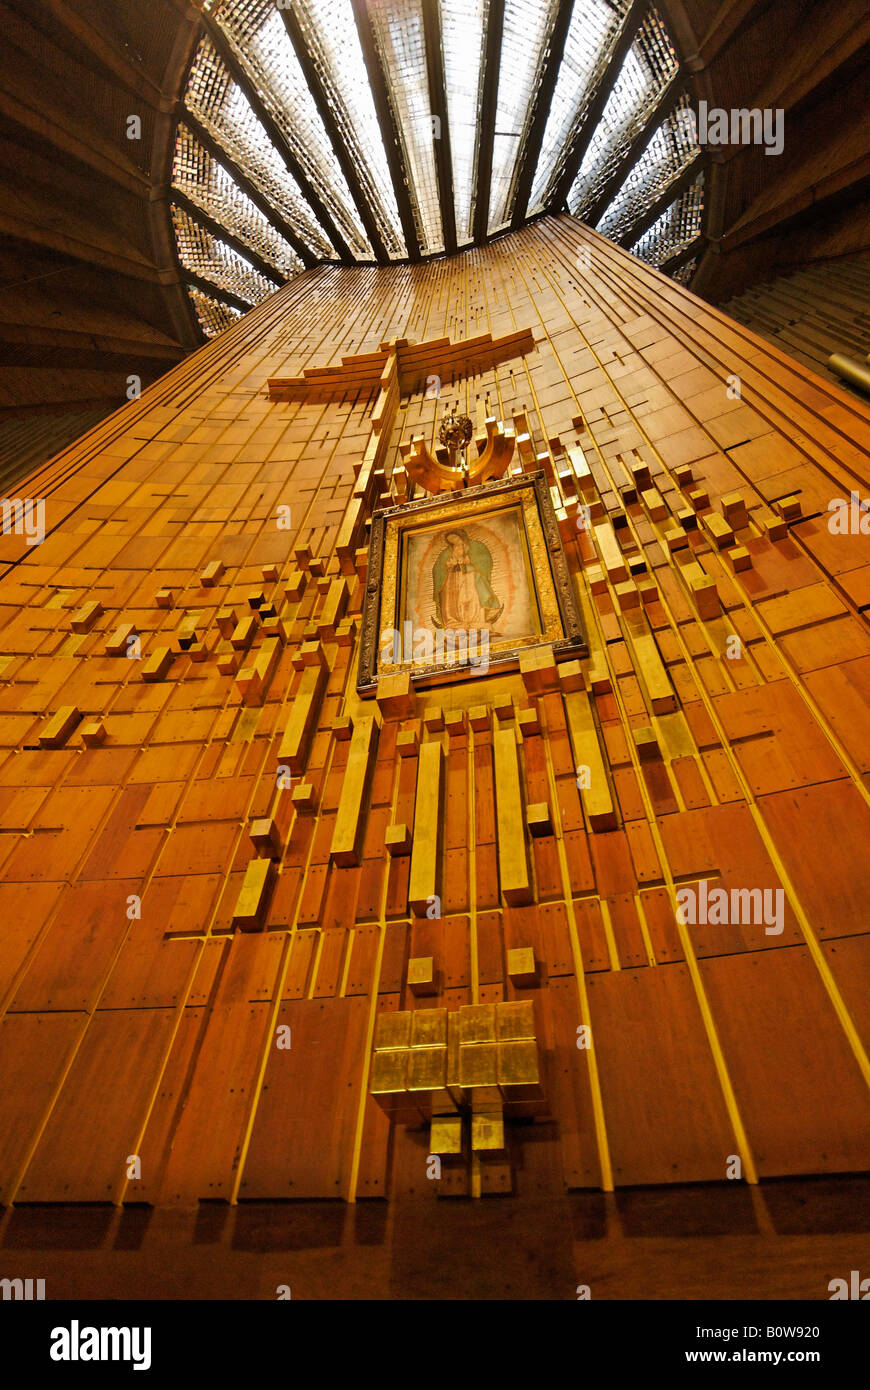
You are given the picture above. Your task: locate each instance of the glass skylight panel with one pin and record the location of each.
(648, 67)
(676, 229)
(669, 152)
(207, 184)
(400, 38)
(591, 34)
(463, 31)
(203, 254)
(527, 25)
(213, 315)
(332, 39)
(260, 40)
(224, 110)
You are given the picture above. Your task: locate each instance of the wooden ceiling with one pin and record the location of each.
(93, 290)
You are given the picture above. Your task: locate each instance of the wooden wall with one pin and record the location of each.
(155, 1035)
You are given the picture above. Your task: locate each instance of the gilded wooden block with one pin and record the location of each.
(719, 530)
(266, 838)
(59, 727)
(775, 528)
(243, 634)
(164, 598)
(699, 498)
(518, 1070)
(477, 1023)
(433, 720)
(398, 840)
(513, 861)
(342, 727)
(487, 1131)
(407, 743)
(93, 733)
(478, 1065)
(538, 669)
(646, 743)
(423, 885)
(256, 599)
(269, 573)
(538, 818)
(596, 797)
(706, 597)
(515, 1018)
(304, 711)
(226, 620)
(627, 595)
(84, 619)
(571, 675)
(304, 797)
(294, 585)
(739, 558)
(421, 975)
(333, 607)
(427, 1068)
(528, 722)
(445, 1136)
(393, 1029)
(211, 574)
(479, 718)
(429, 1028)
(350, 818)
(116, 645)
(521, 966)
(455, 722)
(253, 900)
(157, 665)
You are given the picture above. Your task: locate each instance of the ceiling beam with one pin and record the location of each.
(543, 100)
(342, 153)
(556, 196)
(653, 211)
(210, 288)
(271, 214)
(218, 230)
(486, 124)
(438, 108)
(277, 137)
(666, 103)
(388, 127)
(105, 52)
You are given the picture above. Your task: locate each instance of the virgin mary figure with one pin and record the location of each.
(464, 598)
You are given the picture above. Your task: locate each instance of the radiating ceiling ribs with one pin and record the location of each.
(527, 162)
(277, 137)
(388, 128)
(441, 132)
(304, 252)
(216, 292)
(653, 211)
(346, 162)
(486, 124)
(557, 194)
(223, 233)
(658, 113)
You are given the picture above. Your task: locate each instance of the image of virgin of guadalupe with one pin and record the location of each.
(464, 598)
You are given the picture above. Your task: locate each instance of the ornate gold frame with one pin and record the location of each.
(550, 580)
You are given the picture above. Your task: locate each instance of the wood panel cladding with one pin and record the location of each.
(248, 853)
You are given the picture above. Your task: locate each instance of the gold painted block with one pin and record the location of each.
(538, 669)
(269, 573)
(304, 710)
(521, 966)
(719, 530)
(675, 539)
(350, 820)
(654, 503)
(393, 1029)
(646, 743)
(528, 722)
(477, 1023)
(342, 727)
(739, 558)
(538, 818)
(518, 1069)
(684, 475)
(59, 727)
(478, 1064)
(487, 1131)
(407, 743)
(571, 675)
(157, 665)
(479, 718)
(294, 585)
(227, 659)
(515, 1018)
(421, 976)
(116, 645)
(513, 861)
(211, 574)
(627, 595)
(254, 895)
(427, 1068)
(699, 498)
(243, 634)
(429, 1029)
(445, 1136)
(433, 720)
(734, 510)
(266, 838)
(256, 599)
(389, 1074)
(398, 841)
(610, 554)
(423, 884)
(775, 527)
(454, 722)
(226, 620)
(597, 800)
(706, 597)
(596, 579)
(395, 696)
(93, 733)
(84, 619)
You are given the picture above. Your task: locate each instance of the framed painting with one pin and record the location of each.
(460, 584)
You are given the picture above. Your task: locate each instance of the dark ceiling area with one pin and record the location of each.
(166, 164)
